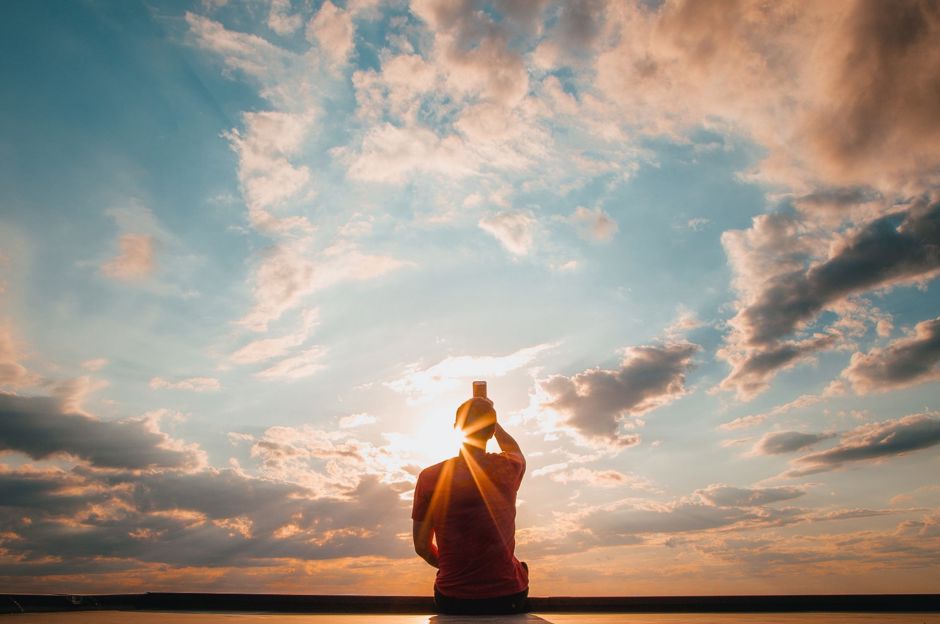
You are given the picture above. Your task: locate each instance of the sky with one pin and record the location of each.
(253, 253)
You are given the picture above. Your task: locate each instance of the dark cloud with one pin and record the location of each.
(633, 521)
(715, 507)
(46, 492)
(475, 46)
(895, 248)
(729, 496)
(208, 518)
(752, 371)
(788, 442)
(872, 442)
(596, 400)
(38, 427)
(837, 200)
(903, 363)
(580, 22)
(879, 111)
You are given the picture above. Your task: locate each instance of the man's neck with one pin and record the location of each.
(472, 450)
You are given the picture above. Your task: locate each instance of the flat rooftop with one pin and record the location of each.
(180, 608)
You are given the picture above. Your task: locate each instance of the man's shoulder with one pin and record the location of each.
(432, 472)
(506, 456)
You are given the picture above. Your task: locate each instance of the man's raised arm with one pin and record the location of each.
(506, 442)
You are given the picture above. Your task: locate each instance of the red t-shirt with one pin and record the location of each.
(473, 514)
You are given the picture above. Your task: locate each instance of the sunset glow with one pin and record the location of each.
(254, 253)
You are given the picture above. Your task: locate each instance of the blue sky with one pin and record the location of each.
(253, 253)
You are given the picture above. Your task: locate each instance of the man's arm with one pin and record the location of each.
(506, 442)
(421, 534)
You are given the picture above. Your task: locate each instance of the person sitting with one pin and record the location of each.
(464, 519)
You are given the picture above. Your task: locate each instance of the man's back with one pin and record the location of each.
(470, 503)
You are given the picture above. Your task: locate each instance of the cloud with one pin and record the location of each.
(873, 442)
(788, 442)
(244, 52)
(752, 371)
(515, 230)
(193, 384)
(209, 518)
(135, 260)
(353, 421)
(840, 92)
(268, 178)
(281, 20)
(290, 270)
(894, 249)
(304, 364)
(906, 362)
(327, 461)
(41, 428)
(455, 371)
(598, 478)
(267, 348)
(715, 507)
(593, 224)
(835, 388)
(333, 30)
(722, 495)
(474, 49)
(392, 154)
(596, 401)
(876, 114)
(281, 278)
(13, 375)
(95, 364)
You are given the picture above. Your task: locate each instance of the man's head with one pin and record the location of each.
(476, 418)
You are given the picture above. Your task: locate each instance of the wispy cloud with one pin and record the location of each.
(304, 364)
(135, 259)
(422, 383)
(593, 224)
(193, 384)
(267, 348)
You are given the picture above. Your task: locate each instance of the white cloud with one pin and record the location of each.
(333, 30)
(421, 384)
(250, 54)
(280, 18)
(391, 154)
(515, 230)
(267, 348)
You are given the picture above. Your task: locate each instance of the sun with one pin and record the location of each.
(435, 438)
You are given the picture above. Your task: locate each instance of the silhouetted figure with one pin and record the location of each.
(467, 505)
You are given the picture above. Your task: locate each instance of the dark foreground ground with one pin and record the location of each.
(233, 604)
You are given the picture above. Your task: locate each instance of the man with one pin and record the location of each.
(465, 519)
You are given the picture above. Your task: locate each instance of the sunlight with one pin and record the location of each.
(431, 438)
